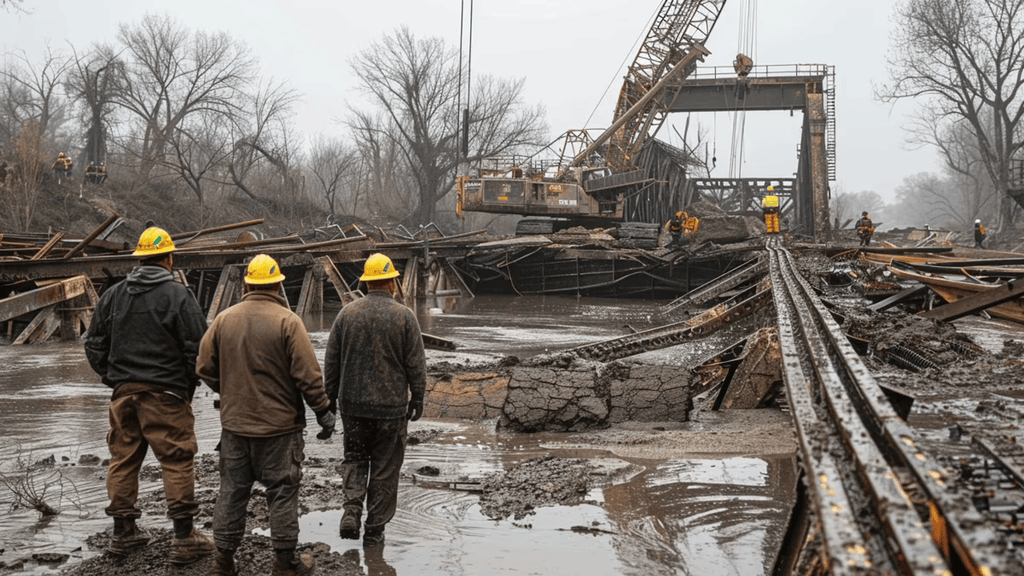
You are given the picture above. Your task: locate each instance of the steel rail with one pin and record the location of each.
(671, 334)
(830, 388)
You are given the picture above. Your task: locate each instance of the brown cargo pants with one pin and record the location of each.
(139, 420)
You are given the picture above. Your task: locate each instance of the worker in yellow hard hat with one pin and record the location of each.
(675, 228)
(770, 207)
(865, 229)
(375, 373)
(143, 341)
(259, 358)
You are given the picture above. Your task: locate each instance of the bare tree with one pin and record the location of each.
(24, 176)
(32, 91)
(13, 6)
(383, 180)
(94, 81)
(963, 61)
(415, 84)
(200, 146)
(171, 73)
(263, 136)
(330, 165)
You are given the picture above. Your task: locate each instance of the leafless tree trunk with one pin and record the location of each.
(24, 178)
(963, 61)
(94, 83)
(171, 73)
(415, 84)
(263, 135)
(330, 165)
(32, 92)
(200, 146)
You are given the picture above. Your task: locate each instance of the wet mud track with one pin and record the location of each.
(657, 498)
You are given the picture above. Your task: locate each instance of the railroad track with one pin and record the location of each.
(880, 505)
(718, 317)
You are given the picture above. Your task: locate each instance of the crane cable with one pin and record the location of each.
(746, 44)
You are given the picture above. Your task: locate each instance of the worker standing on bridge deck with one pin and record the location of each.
(675, 228)
(143, 342)
(258, 357)
(979, 234)
(373, 363)
(770, 207)
(865, 229)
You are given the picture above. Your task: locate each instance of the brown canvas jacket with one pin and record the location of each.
(258, 356)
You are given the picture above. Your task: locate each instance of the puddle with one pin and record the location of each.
(669, 515)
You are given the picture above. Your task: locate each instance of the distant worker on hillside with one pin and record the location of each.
(770, 207)
(865, 229)
(979, 234)
(95, 174)
(62, 167)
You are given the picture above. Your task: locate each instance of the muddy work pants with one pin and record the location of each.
(374, 451)
(274, 462)
(164, 422)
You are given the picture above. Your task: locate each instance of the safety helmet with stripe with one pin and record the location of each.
(378, 267)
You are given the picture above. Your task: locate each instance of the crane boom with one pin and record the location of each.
(679, 27)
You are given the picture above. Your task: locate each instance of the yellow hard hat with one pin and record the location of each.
(154, 241)
(378, 267)
(679, 214)
(771, 188)
(263, 270)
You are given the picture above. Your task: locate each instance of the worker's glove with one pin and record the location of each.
(327, 421)
(415, 409)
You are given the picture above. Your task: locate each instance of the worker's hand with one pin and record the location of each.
(327, 422)
(415, 409)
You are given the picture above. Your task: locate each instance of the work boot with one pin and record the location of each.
(224, 563)
(373, 537)
(350, 524)
(189, 544)
(285, 564)
(126, 537)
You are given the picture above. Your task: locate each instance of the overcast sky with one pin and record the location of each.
(570, 52)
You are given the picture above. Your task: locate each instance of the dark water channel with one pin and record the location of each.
(698, 514)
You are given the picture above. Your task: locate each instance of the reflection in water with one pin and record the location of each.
(700, 516)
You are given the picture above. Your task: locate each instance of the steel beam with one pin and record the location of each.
(752, 94)
(977, 302)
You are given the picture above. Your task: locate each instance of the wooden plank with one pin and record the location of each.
(92, 236)
(228, 287)
(340, 286)
(311, 296)
(48, 246)
(41, 327)
(977, 302)
(456, 279)
(21, 304)
(409, 284)
(897, 298)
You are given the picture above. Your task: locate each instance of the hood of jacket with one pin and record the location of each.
(145, 278)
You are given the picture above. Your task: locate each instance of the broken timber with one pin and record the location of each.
(66, 305)
(977, 302)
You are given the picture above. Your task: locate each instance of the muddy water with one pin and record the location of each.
(701, 514)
